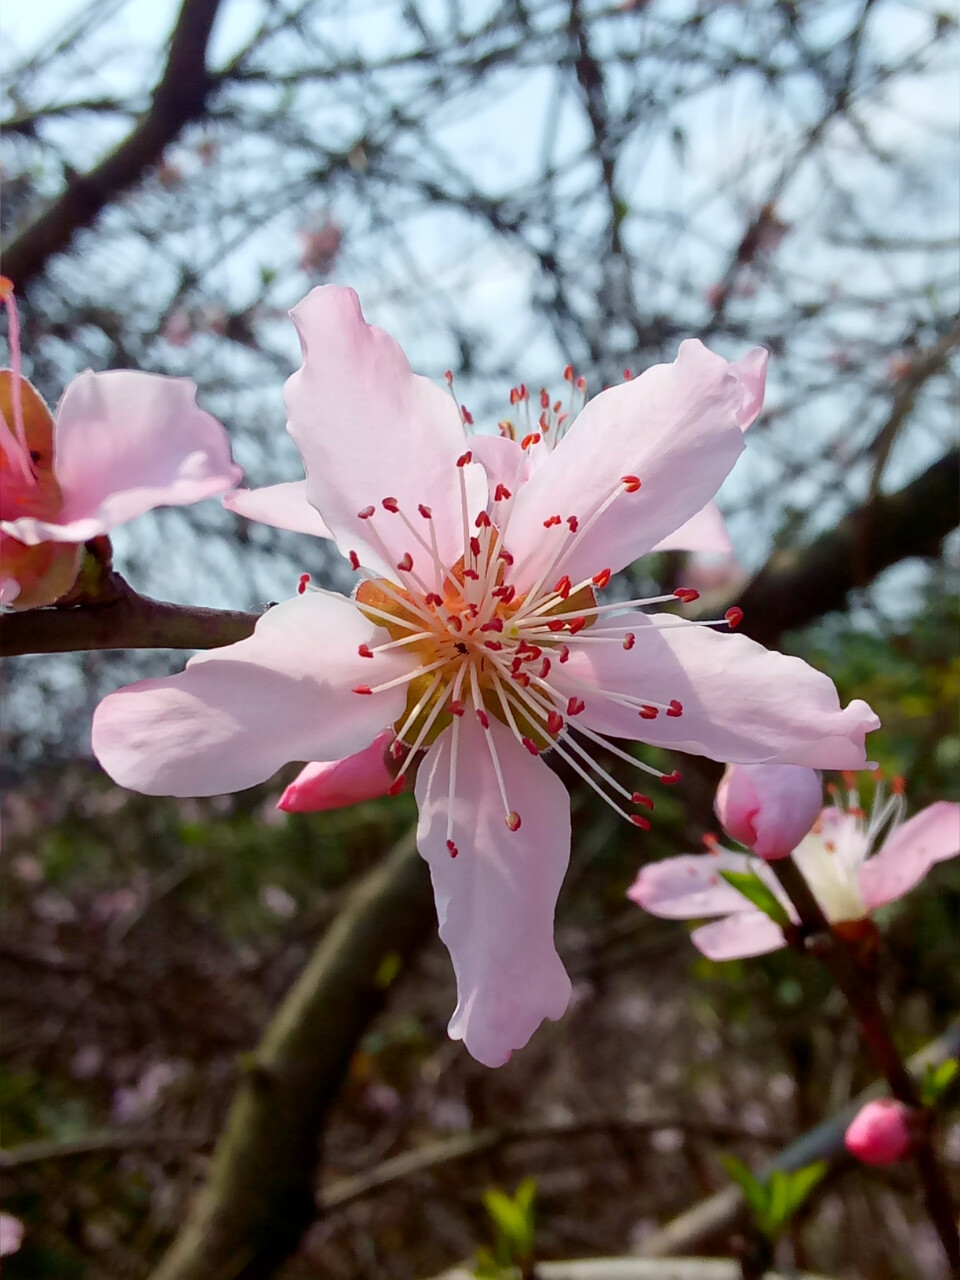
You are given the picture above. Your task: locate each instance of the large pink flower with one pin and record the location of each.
(837, 859)
(478, 636)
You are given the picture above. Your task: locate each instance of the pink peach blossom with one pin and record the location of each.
(835, 859)
(881, 1132)
(478, 636)
(769, 808)
(337, 783)
(11, 1234)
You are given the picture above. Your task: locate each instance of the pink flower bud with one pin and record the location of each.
(881, 1132)
(768, 807)
(337, 783)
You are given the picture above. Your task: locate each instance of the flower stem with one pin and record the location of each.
(860, 991)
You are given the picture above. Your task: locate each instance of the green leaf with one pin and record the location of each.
(508, 1219)
(755, 1191)
(755, 891)
(774, 1200)
(937, 1080)
(801, 1183)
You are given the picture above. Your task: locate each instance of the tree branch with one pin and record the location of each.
(180, 96)
(260, 1194)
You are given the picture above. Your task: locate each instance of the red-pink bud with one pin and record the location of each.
(881, 1132)
(768, 807)
(338, 783)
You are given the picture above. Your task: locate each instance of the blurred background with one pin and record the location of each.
(510, 187)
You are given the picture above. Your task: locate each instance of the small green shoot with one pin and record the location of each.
(774, 1200)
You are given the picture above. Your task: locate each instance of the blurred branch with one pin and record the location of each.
(797, 586)
(260, 1195)
(721, 1212)
(180, 96)
(39, 1152)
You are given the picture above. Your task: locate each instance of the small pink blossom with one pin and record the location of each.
(11, 1234)
(847, 878)
(338, 783)
(768, 808)
(479, 633)
(881, 1133)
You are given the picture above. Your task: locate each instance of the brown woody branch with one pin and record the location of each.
(180, 97)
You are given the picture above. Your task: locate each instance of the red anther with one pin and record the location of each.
(397, 749)
(475, 546)
(504, 555)
(554, 722)
(531, 746)
(453, 621)
(452, 849)
(483, 717)
(457, 708)
(366, 513)
(639, 798)
(649, 713)
(302, 584)
(543, 422)
(532, 438)
(466, 415)
(898, 785)
(362, 688)
(544, 398)
(849, 779)
(669, 779)
(354, 560)
(522, 391)
(512, 820)
(448, 375)
(687, 594)
(431, 598)
(557, 405)
(396, 786)
(516, 664)
(471, 573)
(563, 586)
(734, 616)
(675, 708)
(711, 842)
(364, 651)
(390, 504)
(531, 650)
(425, 511)
(506, 594)
(581, 384)
(405, 563)
(640, 821)
(495, 624)
(502, 493)
(483, 521)
(630, 483)
(514, 394)
(601, 579)
(464, 459)
(568, 373)
(577, 624)
(556, 624)
(495, 645)
(574, 523)
(544, 668)
(522, 679)
(471, 610)
(551, 521)
(629, 640)
(564, 653)
(562, 418)
(627, 375)
(575, 706)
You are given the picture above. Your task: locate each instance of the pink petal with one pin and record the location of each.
(236, 714)
(338, 783)
(769, 807)
(703, 532)
(9, 590)
(740, 702)
(496, 898)
(126, 442)
(930, 836)
(690, 886)
(749, 933)
(11, 1234)
(676, 427)
(368, 428)
(283, 506)
(751, 369)
(502, 459)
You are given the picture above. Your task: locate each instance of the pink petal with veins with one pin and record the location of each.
(930, 836)
(282, 506)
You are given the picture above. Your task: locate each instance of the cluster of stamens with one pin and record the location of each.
(487, 649)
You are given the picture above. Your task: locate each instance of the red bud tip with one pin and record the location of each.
(640, 821)
(639, 798)
(396, 786)
(366, 513)
(354, 561)
(513, 820)
(302, 584)
(675, 708)
(630, 483)
(575, 706)
(364, 651)
(601, 579)
(531, 746)
(362, 688)
(734, 616)
(687, 594)
(452, 849)
(464, 459)
(669, 779)
(554, 722)
(629, 640)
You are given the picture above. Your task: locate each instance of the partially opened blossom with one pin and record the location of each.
(852, 863)
(120, 444)
(881, 1132)
(478, 634)
(334, 784)
(769, 808)
(11, 1234)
